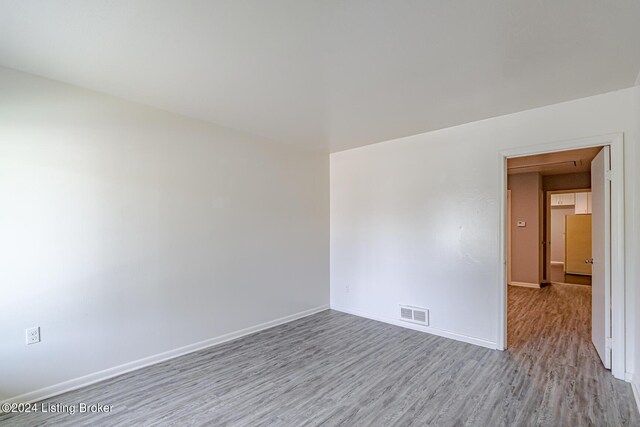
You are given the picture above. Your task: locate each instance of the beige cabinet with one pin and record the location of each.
(583, 203)
(564, 199)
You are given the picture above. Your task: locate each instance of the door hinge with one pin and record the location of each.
(609, 175)
(609, 343)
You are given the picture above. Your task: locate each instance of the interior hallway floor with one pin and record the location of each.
(559, 276)
(336, 369)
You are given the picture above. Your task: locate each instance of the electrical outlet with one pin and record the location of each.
(33, 335)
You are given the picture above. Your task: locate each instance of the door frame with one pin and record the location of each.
(615, 141)
(509, 238)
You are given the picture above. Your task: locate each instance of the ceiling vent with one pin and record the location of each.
(413, 314)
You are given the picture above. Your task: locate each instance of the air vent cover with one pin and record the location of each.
(419, 316)
(406, 313)
(413, 314)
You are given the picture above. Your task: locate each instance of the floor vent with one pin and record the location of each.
(414, 314)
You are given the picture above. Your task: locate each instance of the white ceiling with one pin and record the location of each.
(329, 74)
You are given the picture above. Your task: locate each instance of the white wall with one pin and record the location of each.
(127, 231)
(417, 220)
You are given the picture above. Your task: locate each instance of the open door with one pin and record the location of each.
(601, 256)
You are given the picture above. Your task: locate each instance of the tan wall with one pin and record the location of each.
(526, 199)
(569, 181)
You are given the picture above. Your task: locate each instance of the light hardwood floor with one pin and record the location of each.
(336, 369)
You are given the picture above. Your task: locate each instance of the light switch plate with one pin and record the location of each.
(522, 224)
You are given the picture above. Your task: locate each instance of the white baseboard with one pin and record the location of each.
(526, 285)
(428, 329)
(76, 383)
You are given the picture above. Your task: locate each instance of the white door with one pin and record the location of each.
(601, 253)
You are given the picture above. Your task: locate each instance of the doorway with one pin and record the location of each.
(568, 231)
(607, 299)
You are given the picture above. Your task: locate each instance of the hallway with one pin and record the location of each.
(559, 276)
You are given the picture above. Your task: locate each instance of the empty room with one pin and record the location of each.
(288, 213)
